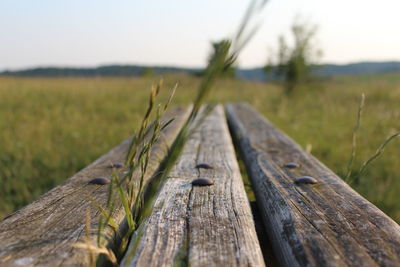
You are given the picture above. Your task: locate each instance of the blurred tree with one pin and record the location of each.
(220, 47)
(148, 72)
(294, 64)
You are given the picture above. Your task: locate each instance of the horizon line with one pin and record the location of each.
(83, 66)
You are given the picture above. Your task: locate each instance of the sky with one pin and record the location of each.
(88, 33)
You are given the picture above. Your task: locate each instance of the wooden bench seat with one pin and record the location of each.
(42, 233)
(321, 224)
(200, 225)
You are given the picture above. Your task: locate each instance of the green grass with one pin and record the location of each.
(51, 128)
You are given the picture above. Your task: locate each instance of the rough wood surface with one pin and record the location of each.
(326, 224)
(200, 226)
(41, 234)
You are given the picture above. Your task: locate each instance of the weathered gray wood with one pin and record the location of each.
(42, 233)
(200, 226)
(326, 224)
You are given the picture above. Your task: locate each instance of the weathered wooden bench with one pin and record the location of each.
(307, 222)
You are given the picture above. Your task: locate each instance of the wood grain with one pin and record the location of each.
(326, 224)
(200, 226)
(42, 232)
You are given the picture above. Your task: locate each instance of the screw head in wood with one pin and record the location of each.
(305, 180)
(99, 181)
(202, 182)
(115, 165)
(204, 166)
(292, 165)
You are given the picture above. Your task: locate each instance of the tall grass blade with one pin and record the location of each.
(254, 7)
(377, 154)
(105, 213)
(354, 139)
(171, 96)
(124, 199)
(91, 256)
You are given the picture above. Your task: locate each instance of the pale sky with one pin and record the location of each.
(178, 32)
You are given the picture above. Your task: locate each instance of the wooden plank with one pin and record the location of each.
(324, 224)
(200, 226)
(42, 232)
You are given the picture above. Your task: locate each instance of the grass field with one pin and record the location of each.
(51, 128)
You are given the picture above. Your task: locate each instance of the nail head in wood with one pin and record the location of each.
(305, 180)
(292, 165)
(204, 166)
(202, 182)
(99, 181)
(115, 165)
